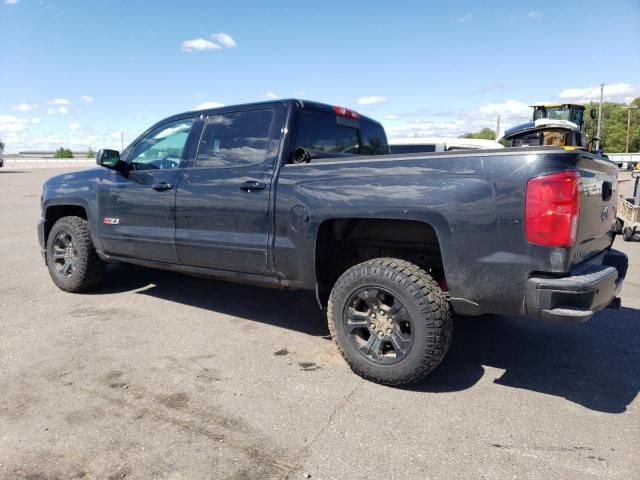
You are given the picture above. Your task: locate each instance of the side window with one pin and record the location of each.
(235, 139)
(374, 140)
(162, 147)
(320, 131)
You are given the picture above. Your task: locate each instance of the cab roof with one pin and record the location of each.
(286, 101)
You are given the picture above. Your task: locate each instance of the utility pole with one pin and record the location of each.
(629, 108)
(121, 140)
(498, 128)
(599, 116)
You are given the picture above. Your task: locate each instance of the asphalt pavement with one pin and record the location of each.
(164, 376)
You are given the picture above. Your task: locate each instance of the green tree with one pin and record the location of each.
(486, 134)
(91, 153)
(63, 153)
(614, 126)
(1, 146)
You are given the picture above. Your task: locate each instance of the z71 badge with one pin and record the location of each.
(111, 221)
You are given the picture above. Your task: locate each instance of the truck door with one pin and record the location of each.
(222, 205)
(138, 207)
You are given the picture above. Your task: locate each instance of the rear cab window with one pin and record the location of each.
(328, 132)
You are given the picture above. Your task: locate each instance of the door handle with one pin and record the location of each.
(252, 185)
(160, 186)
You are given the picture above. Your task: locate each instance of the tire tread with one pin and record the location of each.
(90, 267)
(428, 295)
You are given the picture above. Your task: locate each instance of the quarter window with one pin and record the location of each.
(235, 139)
(162, 147)
(374, 140)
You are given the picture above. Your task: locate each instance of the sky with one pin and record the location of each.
(79, 73)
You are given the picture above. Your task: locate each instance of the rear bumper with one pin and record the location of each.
(592, 286)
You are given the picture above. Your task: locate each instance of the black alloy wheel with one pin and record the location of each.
(378, 325)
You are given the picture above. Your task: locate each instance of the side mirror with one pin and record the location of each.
(593, 114)
(109, 159)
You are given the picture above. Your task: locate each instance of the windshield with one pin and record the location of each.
(571, 114)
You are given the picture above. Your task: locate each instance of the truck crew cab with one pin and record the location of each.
(301, 195)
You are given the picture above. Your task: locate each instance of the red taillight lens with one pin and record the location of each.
(345, 112)
(552, 208)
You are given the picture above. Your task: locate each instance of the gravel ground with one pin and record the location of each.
(163, 376)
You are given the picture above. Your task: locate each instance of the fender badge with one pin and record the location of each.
(111, 221)
(604, 214)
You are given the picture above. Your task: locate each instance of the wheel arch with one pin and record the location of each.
(344, 242)
(55, 211)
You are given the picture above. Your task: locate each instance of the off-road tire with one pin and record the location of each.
(618, 227)
(627, 234)
(426, 304)
(89, 269)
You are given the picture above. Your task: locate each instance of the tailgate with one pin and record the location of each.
(598, 199)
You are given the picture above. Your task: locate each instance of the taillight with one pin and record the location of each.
(552, 208)
(345, 112)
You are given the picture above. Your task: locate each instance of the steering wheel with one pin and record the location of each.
(166, 163)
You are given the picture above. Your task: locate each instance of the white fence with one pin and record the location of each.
(46, 162)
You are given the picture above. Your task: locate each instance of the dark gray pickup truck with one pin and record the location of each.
(300, 195)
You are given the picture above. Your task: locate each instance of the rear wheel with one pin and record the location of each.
(627, 233)
(390, 320)
(73, 263)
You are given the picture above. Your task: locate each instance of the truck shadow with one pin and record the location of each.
(293, 310)
(595, 364)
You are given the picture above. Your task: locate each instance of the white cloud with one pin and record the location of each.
(199, 44)
(35, 120)
(224, 40)
(218, 41)
(11, 124)
(372, 100)
(508, 108)
(453, 123)
(11, 2)
(465, 18)
(615, 92)
(74, 126)
(427, 128)
(533, 15)
(87, 98)
(62, 110)
(270, 96)
(298, 93)
(59, 101)
(207, 105)
(24, 107)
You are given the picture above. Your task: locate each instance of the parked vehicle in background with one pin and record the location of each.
(628, 221)
(301, 195)
(626, 161)
(439, 144)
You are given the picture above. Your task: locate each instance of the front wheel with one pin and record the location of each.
(73, 263)
(390, 320)
(618, 226)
